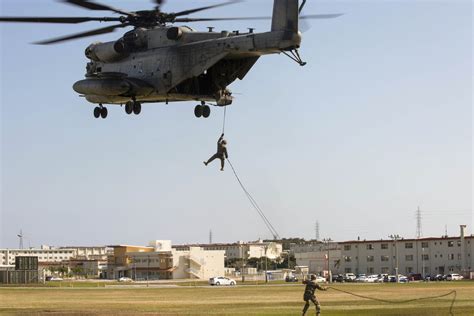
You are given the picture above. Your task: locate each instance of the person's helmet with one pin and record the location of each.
(313, 277)
(224, 142)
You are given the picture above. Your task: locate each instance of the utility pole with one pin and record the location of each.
(395, 238)
(148, 270)
(266, 267)
(423, 263)
(327, 241)
(210, 236)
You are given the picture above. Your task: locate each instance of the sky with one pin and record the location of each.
(378, 123)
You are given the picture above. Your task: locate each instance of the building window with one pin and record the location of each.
(385, 270)
(409, 269)
(347, 247)
(459, 256)
(459, 243)
(451, 256)
(370, 247)
(347, 270)
(424, 244)
(347, 258)
(370, 270)
(384, 246)
(384, 258)
(408, 245)
(425, 257)
(450, 243)
(370, 258)
(409, 258)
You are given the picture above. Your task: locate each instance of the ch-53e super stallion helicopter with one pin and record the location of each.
(158, 62)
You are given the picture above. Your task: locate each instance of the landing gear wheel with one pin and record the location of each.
(198, 110)
(97, 111)
(104, 112)
(137, 108)
(129, 107)
(206, 111)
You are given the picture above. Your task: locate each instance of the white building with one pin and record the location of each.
(160, 261)
(433, 255)
(243, 250)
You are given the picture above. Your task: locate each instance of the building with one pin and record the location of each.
(243, 250)
(432, 255)
(86, 261)
(317, 256)
(161, 261)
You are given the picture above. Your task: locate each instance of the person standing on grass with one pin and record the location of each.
(309, 290)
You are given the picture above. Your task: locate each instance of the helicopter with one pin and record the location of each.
(160, 62)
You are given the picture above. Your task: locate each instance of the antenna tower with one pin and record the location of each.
(316, 228)
(419, 232)
(210, 236)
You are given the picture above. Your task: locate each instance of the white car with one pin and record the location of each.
(454, 277)
(222, 281)
(125, 279)
(320, 279)
(361, 278)
(372, 278)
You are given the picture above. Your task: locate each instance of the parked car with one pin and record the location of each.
(53, 278)
(320, 279)
(380, 278)
(415, 277)
(291, 278)
(222, 281)
(338, 278)
(454, 277)
(372, 278)
(361, 278)
(125, 279)
(349, 277)
(403, 279)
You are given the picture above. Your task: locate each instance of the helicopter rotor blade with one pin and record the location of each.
(313, 16)
(103, 30)
(96, 6)
(187, 12)
(65, 20)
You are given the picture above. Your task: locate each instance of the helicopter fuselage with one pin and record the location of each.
(167, 64)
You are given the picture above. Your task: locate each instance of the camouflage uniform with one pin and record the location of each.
(311, 287)
(221, 152)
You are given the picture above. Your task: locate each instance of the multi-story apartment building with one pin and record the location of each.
(433, 255)
(47, 254)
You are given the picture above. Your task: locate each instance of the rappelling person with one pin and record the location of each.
(311, 287)
(221, 152)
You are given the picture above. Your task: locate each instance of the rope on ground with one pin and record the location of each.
(453, 292)
(255, 205)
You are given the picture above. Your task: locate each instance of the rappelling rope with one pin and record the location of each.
(223, 123)
(453, 292)
(255, 205)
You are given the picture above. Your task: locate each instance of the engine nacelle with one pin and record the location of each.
(174, 33)
(106, 52)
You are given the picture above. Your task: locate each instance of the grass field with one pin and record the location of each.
(280, 299)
